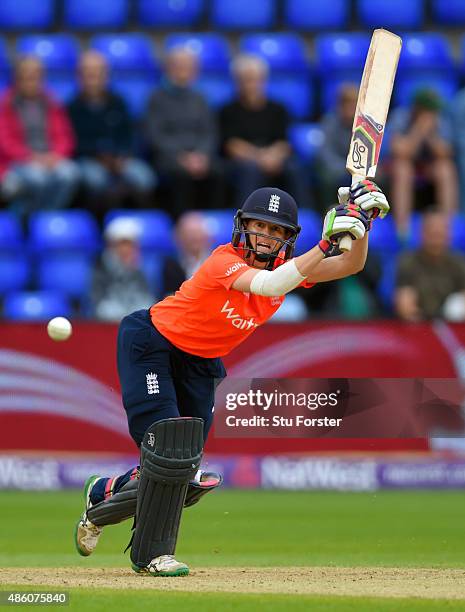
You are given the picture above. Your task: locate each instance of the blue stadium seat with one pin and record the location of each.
(157, 228)
(68, 273)
(449, 12)
(132, 52)
(135, 90)
(65, 230)
(294, 92)
(63, 88)
(212, 49)
(58, 52)
(426, 61)
(306, 140)
(91, 15)
(26, 14)
(391, 13)
(304, 15)
(170, 13)
(15, 270)
(282, 51)
(310, 234)
(425, 51)
(243, 14)
(384, 237)
(11, 234)
(219, 225)
(152, 267)
(339, 59)
(35, 305)
(406, 86)
(387, 282)
(341, 51)
(217, 89)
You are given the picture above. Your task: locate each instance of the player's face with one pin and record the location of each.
(265, 244)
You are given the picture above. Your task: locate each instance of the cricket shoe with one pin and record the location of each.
(86, 534)
(163, 566)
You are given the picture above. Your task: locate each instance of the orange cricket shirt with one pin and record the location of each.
(205, 317)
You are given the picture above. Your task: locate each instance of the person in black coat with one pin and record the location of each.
(105, 135)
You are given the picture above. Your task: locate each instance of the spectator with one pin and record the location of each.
(119, 285)
(421, 150)
(254, 135)
(332, 156)
(104, 135)
(194, 246)
(427, 277)
(36, 142)
(181, 132)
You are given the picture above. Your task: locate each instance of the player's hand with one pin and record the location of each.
(368, 196)
(345, 219)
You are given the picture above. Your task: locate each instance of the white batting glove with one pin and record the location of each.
(370, 198)
(337, 223)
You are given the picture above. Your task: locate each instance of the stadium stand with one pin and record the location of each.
(167, 14)
(68, 230)
(391, 14)
(35, 305)
(310, 53)
(27, 14)
(156, 228)
(91, 15)
(301, 15)
(339, 59)
(448, 12)
(243, 14)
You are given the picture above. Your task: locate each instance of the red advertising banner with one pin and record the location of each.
(65, 396)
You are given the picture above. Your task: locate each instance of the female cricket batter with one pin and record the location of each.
(169, 357)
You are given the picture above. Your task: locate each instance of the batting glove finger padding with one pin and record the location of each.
(337, 223)
(370, 198)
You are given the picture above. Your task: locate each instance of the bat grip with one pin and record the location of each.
(345, 243)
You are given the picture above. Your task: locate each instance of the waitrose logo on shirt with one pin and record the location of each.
(236, 318)
(235, 267)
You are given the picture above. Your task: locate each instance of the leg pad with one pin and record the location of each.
(171, 452)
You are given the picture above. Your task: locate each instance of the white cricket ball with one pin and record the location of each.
(59, 329)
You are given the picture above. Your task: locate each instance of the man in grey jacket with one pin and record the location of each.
(182, 134)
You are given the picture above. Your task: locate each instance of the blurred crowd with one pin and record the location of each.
(184, 157)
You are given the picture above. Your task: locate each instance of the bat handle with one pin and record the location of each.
(345, 243)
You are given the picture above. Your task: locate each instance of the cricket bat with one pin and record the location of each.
(372, 108)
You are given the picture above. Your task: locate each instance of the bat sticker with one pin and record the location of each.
(358, 153)
(366, 144)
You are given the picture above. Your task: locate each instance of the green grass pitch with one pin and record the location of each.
(252, 528)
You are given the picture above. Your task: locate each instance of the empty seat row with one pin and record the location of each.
(75, 232)
(284, 51)
(308, 15)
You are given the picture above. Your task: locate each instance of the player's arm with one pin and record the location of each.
(358, 205)
(344, 219)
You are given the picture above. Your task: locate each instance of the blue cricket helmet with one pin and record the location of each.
(273, 206)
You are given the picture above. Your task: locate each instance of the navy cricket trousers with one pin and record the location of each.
(159, 381)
